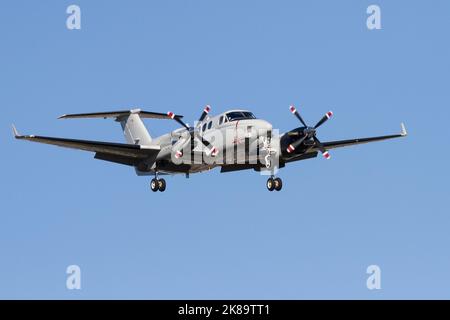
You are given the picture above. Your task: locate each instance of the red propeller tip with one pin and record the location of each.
(326, 155)
(292, 108)
(178, 154)
(214, 151)
(171, 114)
(329, 114)
(290, 148)
(207, 108)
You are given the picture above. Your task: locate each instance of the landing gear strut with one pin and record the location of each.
(274, 184)
(158, 184)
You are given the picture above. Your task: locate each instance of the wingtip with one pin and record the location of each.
(63, 116)
(404, 133)
(16, 133)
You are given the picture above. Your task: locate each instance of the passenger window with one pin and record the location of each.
(204, 127)
(220, 120)
(209, 125)
(249, 132)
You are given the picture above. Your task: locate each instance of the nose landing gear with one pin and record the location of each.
(274, 184)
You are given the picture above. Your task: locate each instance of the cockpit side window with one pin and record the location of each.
(204, 127)
(209, 125)
(248, 115)
(220, 120)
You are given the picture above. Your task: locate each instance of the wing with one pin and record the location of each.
(305, 156)
(351, 142)
(104, 150)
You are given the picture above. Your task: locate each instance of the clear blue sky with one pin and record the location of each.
(224, 235)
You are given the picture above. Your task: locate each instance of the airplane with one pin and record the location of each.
(233, 140)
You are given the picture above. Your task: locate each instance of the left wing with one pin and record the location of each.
(351, 142)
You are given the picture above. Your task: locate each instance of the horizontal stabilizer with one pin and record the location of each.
(118, 114)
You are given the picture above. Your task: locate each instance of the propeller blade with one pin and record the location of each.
(294, 145)
(177, 119)
(212, 150)
(179, 146)
(324, 119)
(204, 113)
(193, 134)
(299, 117)
(322, 149)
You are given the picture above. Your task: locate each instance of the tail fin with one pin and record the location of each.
(133, 128)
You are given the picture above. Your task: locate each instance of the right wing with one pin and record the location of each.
(104, 150)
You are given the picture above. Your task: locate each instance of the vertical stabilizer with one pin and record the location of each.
(134, 129)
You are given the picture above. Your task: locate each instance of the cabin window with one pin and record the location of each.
(210, 125)
(204, 127)
(249, 132)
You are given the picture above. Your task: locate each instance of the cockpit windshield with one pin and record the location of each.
(240, 115)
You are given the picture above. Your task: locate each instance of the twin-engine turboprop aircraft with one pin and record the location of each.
(233, 140)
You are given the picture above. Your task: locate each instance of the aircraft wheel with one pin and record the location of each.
(278, 184)
(270, 184)
(162, 185)
(154, 185)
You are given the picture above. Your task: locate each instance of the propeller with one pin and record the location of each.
(309, 132)
(194, 134)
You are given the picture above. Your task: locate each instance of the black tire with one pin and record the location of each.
(278, 184)
(270, 184)
(161, 185)
(154, 185)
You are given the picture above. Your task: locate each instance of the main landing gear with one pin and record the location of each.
(274, 184)
(158, 184)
